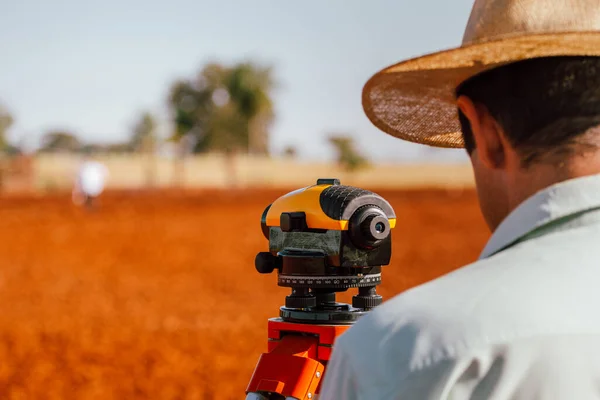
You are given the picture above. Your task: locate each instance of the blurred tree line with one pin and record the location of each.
(225, 109)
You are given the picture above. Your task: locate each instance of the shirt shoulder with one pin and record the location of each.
(510, 295)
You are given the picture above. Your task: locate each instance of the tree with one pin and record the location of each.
(348, 156)
(60, 142)
(249, 87)
(143, 140)
(6, 121)
(227, 109)
(290, 152)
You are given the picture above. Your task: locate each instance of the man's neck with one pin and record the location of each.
(527, 182)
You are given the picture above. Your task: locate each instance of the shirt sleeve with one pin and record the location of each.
(340, 381)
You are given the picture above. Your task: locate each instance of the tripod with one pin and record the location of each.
(294, 366)
(339, 240)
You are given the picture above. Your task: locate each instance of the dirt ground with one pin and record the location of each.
(155, 295)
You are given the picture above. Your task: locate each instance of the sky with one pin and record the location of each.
(93, 67)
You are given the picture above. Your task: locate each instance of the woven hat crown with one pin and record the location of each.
(415, 99)
(496, 19)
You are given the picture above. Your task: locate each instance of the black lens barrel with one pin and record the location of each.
(369, 226)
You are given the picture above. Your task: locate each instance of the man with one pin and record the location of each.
(89, 184)
(522, 322)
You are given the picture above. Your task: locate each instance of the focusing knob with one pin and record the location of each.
(266, 262)
(369, 226)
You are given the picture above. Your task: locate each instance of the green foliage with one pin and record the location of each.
(6, 121)
(91, 148)
(11, 150)
(60, 142)
(347, 154)
(227, 108)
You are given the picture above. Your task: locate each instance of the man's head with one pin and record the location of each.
(529, 124)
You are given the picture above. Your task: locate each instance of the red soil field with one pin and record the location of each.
(155, 295)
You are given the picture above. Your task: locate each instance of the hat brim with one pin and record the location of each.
(414, 100)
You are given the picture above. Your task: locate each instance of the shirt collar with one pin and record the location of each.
(555, 202)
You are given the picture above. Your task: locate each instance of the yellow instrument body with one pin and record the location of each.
(308, 201)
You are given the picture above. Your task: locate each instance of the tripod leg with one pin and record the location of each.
(290, 371)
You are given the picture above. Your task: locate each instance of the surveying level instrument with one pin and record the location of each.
(323, 239)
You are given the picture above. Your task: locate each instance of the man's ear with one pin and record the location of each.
(486, 133)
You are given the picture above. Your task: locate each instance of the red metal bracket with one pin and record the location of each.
(295, 363)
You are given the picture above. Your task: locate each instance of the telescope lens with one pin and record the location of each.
(369, 226)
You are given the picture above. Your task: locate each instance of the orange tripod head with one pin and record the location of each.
(323, 239)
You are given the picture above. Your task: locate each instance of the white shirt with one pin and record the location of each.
(523, 322)
(91, 178)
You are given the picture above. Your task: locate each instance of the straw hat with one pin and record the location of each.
(415, 100)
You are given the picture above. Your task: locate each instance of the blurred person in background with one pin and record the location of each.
(522, 321)
(89, 182)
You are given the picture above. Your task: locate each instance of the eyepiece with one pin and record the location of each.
(369, 226)
(375, 227)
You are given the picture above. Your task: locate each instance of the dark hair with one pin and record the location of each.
(544, 105)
